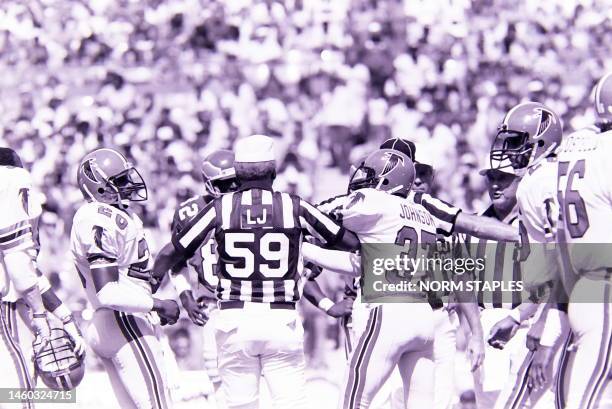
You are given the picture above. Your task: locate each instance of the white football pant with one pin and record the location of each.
(255, 342)
(394, 335)
(132, 356)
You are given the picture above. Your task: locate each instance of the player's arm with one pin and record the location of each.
(186, 242)
(316, 296)
(180, 280)
(451, 219)
(325, 229)
(54, 305)
(102, 254)
(21, 271)
(485, 227)
(340, 262)
(468, 309)
(116, 295)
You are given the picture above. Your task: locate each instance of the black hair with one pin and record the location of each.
(9, 157)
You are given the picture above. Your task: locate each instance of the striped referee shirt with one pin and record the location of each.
(259, 234)
(501, 264)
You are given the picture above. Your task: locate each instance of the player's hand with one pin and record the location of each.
(168, 311)
(538, 372)
(342, 308)
(75, 334)
(42, 332)
(534, 334)
(196, 311)
(502, 332)
(475, 351)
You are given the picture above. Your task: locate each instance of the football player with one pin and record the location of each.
(379, 230)
(448, 219)
(219, 179)
(584, 195)
(112, 258)
(259, 234)
(526, 144)
(17, 253)
(373, 212)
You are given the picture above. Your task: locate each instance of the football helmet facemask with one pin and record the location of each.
(219, 174)
(529, 132)
(105, 175)
(385, 169)
(57, 363)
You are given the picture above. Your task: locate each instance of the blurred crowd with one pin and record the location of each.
(168, 81)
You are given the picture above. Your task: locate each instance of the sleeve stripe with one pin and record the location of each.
(288, 221)
(311, 229)
(11, 229)
(226, 210)
(440, 210)
(325, 221)
(198, 227)
(102, 265)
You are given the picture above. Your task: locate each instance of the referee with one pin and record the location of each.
(259, 235)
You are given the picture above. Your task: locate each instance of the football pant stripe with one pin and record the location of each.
(150, 357)
(606, 345)
(12, 321)
(361, 357)
(518, 391)
(14, 351)
(363, 370)
(348, 347)
(140, 343)
(356, 355)
(561, 373)
(138, 354)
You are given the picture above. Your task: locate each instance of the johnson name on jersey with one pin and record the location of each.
(106, 236)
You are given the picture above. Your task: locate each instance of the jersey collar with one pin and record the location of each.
(490, 212)
(255, 184)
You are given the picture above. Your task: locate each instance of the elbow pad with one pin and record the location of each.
(118, 296)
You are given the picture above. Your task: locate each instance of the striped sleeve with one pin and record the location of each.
(16, 237)
(196, 231)
(317, 224)
(444, 214)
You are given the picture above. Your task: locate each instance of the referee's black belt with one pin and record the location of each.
(276, 305)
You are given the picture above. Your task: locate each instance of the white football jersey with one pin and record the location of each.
(585, 200)
(538, 211)
(380, 218)
(15, 226)
(105, 235)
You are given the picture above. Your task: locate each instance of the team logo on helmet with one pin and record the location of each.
(393, 160)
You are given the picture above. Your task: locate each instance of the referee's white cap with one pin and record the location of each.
(255, 148)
